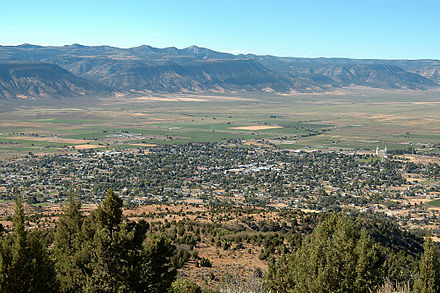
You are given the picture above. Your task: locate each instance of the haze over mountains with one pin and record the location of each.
(29, 71)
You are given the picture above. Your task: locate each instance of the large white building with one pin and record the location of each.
(382, 153)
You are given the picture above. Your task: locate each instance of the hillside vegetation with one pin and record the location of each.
(106, 252)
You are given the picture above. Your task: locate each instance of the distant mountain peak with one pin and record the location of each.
(26, 45)
(76, 45)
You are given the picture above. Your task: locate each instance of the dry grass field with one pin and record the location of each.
(88, 146)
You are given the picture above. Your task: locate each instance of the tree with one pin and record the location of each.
(116, 259)
(336, 257)
(67, 247)
(429, 278)
(160, 273)
(25, 262)
(108, 252)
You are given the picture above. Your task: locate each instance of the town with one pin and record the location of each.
(236, 174)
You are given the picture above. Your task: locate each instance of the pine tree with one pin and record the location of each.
(337, 257)
(106, 261)
(429, 278)
(26, 265)
(369, 266)
(67, 247)
(117, 260)
(160, 272)
(21, 266)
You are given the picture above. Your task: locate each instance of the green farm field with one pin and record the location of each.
(349, 119)
(434, 203)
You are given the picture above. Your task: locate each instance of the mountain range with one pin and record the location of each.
(30, 71)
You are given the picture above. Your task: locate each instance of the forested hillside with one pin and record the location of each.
(104, 251)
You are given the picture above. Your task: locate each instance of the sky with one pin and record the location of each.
(387, 29)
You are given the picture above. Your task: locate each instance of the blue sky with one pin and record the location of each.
(334, 28)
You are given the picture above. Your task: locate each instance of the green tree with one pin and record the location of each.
(429, 278)
(107, 265)
(116, 259)
(336, 257)
(25, 263)
(158, 268)
(69, 263)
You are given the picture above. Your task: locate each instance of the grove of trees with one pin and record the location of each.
(101, 252)
(340, 256)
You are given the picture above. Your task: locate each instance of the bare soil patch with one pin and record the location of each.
(88, 146)
(419, 159)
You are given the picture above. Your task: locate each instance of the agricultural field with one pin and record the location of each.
(349, 120)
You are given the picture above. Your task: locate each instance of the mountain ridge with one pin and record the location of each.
(197, 69)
